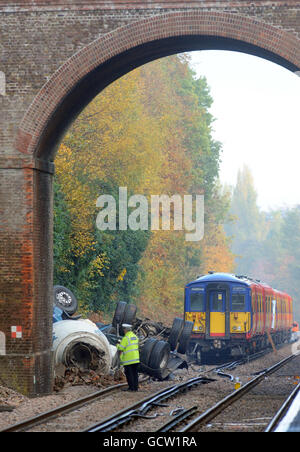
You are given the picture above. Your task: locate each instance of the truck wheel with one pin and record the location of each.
(119, 313)
(175, 332)
(130, 313)
(185, 337)
(159, 355)
(146, 350)
(65, 299)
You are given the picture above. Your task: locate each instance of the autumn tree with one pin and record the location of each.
(149, 131)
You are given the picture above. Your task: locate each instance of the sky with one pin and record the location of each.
(257, 111)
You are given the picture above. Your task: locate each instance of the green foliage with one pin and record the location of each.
(125, 249)
(62, 232)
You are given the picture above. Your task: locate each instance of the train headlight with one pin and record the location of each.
(217, 343)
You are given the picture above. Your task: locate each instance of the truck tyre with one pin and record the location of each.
(130, 313)
(129, 316)
(146, 350)
(119, 313)
(65, 299)
(185, 336)
(159, 356)
(175, 332)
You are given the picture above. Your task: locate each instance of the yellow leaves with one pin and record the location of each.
(121, 275)
(64, 269)
(97, 265)
(80, 203)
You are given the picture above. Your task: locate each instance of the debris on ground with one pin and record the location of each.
(10, 399)
(73, 376)
(87, 347)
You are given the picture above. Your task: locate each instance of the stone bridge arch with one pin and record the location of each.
(26, 238)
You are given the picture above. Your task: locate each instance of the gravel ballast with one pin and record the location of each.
(265, 399)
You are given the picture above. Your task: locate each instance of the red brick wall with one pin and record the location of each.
(56, 55)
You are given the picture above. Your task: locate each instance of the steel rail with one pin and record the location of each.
(140, 408)
(177, 419)
(283, 409)
(212, 412)
(62, 409)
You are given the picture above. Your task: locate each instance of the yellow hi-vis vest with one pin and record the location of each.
(129, 347)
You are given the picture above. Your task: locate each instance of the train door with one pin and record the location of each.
(273, 316)
(217, 308)
(254, 312)
(261, 297)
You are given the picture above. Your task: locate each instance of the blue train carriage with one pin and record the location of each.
(219, 304)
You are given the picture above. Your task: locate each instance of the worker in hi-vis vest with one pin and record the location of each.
(295, 327)
(128, 350)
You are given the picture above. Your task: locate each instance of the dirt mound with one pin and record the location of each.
(73, 376)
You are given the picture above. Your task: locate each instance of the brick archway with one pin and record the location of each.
(114, 54)
(26, 206)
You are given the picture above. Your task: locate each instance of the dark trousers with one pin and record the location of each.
(132, 376)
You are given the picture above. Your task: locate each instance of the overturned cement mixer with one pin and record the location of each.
(87, 345)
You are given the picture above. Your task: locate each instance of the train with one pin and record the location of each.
(235, 315)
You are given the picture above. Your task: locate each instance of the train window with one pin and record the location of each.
(238, 302)
(216, 301)
(197, 299)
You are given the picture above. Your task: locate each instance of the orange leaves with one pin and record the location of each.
(216, 255)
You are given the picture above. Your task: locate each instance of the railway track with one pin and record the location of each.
(140, 409)
(274, 425)
(143, 406)
(60, 410)
(181, 418)
(66, 408)
(219, 407)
